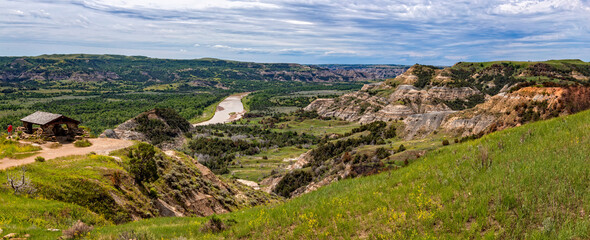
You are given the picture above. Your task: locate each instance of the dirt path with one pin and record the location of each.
(99, 145)
(230, 109)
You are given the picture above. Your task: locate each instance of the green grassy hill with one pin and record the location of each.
(527, 182)
(491, 77)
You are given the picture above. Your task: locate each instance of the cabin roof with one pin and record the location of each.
(43, 118)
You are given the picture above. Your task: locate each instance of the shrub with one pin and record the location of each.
(82, 143)
(20, 183)
(484, 162)
(39, 159)
(382, 153)
(135, 235)
(54, 145)
(214, 225)
(445, 142)
(116, 178)
(390, 132)
(78, 230)
(401, 148)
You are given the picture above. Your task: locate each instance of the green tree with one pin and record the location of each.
(143, 163)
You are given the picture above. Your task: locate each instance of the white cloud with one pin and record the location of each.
(298, 22)
(221, 46)
(456, 58)
(544, 37)
(40, 13)
(537, 6)
(17, 12)
(181, 4)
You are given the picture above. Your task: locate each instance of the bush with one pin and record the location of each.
(39, 159)
(445, 142)
(214, 225)
(78, 230)
(116, 179)
(54, 145)
(382, 153)
(401, 148)
(82, 143)
(20, 183)
(136, 235)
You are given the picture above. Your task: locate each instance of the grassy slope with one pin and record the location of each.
(536, 187)
(23, 215)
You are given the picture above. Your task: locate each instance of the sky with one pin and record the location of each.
(304, 31)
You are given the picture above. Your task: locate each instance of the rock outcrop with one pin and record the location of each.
(421, 109)
(161, 127)
(466, 99)
(513, 109)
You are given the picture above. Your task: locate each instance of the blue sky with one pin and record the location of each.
(305, 31)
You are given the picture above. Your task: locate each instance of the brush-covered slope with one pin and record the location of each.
(526, 182)
(134, 183)
(468, 98)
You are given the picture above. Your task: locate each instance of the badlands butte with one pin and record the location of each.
(467, 98)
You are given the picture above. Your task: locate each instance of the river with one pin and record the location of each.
(230, 109)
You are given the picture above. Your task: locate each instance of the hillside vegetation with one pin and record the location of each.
(491, 77)
(526, 182)
(135, 183)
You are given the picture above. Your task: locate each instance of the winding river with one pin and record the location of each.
(230, 109)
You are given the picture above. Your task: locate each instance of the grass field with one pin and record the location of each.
(526, 182)
(312, 126)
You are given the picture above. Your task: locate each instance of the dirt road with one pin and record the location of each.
(99, 145)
